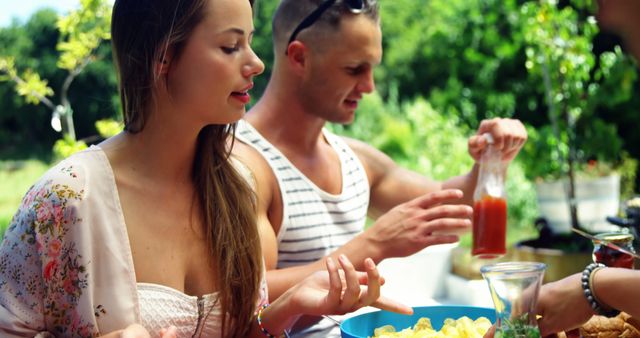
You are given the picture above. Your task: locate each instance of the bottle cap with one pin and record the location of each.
(488, 137)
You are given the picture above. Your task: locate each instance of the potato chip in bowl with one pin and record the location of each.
(426, 321)
(463, 327)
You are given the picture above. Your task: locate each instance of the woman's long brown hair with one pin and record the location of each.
(142, 31)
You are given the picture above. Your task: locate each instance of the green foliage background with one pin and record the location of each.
(447, 65)
(25, 128)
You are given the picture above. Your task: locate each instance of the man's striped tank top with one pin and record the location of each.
(314, 223)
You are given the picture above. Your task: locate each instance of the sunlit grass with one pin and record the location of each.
(15, 179)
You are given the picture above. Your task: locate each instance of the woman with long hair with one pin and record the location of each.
(153, 232)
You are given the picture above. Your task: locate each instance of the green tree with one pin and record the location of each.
(559, 54)
(465, 56)
(81, 33)
(469, 58)
(25, 127)
(262, 42)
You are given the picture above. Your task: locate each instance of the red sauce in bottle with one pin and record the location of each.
(612, 257)
(489, 227)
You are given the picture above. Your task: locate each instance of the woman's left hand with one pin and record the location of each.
(339, 291)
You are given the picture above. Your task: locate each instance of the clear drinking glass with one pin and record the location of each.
(514, 289)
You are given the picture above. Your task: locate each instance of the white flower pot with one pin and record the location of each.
(596, 199)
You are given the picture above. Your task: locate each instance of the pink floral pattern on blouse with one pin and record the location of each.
(51, 283)
(38, 236)
(66, 268)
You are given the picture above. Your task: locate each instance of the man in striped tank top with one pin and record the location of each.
(314, 188)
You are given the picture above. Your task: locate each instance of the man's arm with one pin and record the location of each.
(419, 213)
(269, 217)
(392, 184)
(409, 227)
(266, 189)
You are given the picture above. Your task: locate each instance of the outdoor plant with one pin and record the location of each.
(82, 31)
(575, 84)
(518, 327)
(66, 146)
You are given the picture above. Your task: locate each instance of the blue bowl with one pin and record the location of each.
(362, 326)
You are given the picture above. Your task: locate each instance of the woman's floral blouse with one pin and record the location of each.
(66, 268)
(65, 262)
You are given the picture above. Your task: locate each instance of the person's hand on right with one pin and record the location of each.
(427, 220)
(562, 306)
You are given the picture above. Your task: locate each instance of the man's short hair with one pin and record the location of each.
(290, 13)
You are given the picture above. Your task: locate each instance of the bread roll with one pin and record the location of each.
(621, 326)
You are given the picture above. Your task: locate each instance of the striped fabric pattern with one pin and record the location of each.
(314, 223)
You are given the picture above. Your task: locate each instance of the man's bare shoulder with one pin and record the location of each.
(266, 187)
(374, 161)
(257, 164)
(355, 144)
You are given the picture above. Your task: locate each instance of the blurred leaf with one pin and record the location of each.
(8, 67)
(33, 87)
(108, 127)
(82, 31)
(67, 146)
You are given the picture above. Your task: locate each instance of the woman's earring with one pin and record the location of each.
(162, 67)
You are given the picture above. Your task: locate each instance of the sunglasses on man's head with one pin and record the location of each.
(354, 6)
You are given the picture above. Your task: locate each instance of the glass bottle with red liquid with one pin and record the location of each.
(490, 205)
(610, 256)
